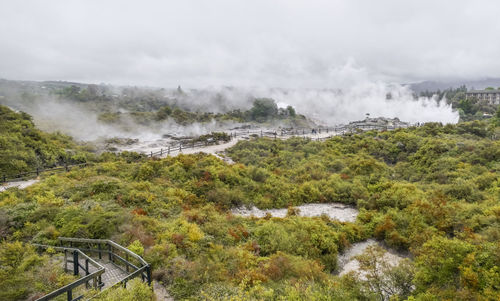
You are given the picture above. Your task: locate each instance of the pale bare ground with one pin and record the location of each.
(161, 293)
(347, 263)
(337, 211)
(211, 149)
(218, 149)
(18, 184)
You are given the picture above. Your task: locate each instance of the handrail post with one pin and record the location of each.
(70, 296)
(99, 248)
(148, 273)
(75, 263)
(126, 258)
(65, 261)
(110, 253)
(87, 272)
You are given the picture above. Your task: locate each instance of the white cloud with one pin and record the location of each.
(246, 43)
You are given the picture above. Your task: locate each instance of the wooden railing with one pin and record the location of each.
(38, 171)
(122, 257)
(76, 257)
(281, 134)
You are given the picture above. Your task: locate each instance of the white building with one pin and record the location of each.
(492, 96)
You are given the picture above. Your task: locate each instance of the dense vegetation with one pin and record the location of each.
(431, 191)
(23, 272)
(25, 148)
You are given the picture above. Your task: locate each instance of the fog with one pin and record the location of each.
(325, 107)
(77, 120)
(334, 61)
(271, 43)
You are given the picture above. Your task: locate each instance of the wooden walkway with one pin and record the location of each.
(100, 263)
(111, 276)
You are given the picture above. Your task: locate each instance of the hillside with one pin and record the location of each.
(23, 147)
(444, 85)
(431, 193)
(88, 111)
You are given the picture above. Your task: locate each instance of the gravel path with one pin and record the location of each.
(18, 184)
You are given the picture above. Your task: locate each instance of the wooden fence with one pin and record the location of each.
(38, 171)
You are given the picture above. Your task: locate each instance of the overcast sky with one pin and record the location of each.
(309, 44)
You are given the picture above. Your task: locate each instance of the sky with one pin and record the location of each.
(268, 43)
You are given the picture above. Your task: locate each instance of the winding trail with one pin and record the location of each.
(18, 184)
(218, 149)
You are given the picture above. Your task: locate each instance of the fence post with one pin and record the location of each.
(148, 273)
(99, 248)
(161, 152)
(65, 261)
(126, 258)
(70, 296)
(87, 272)
(180, 147)
(168, 151)
(37, 172)
(75, 263)
(110, 254)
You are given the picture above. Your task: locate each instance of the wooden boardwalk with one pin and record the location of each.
(111, 276)
(100, 263)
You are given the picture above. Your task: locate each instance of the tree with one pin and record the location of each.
(263, 109)
(291, 111)
(163, 113)
(383, 278)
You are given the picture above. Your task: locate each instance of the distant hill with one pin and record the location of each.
(470, 84)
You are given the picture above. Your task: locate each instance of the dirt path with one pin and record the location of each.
(18, 184)
(218, 150)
